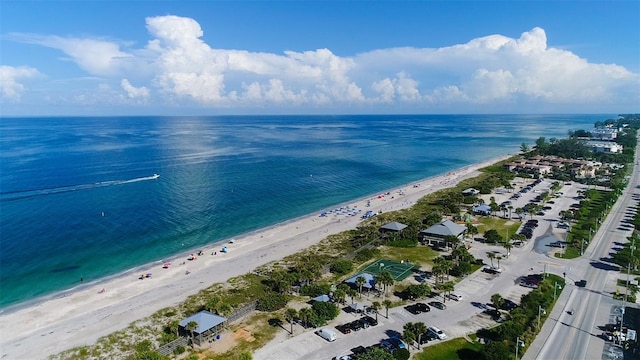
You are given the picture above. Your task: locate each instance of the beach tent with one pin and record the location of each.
(322, 298)
(209, 325)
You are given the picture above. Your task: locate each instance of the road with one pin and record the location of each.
(574, 336)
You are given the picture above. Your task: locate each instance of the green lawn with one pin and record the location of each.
(454, 349)
(420, 255)
(504, 227)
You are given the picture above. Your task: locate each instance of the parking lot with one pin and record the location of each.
(460, 317)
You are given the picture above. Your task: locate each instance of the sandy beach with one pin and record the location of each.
(81, 316)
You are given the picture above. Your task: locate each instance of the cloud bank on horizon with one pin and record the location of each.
(176, 69)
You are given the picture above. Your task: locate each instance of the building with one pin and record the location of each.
(607, 147)
(436, 235)
(209, 325)
(607, 134)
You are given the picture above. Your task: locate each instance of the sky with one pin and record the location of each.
(102, 58)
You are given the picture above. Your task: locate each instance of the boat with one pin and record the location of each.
(155, 176)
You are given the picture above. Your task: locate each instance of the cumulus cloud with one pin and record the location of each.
(10, 86)
(134, 92)
(177, 64)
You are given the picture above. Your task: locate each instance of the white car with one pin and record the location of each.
(437, 332)
(455, 297)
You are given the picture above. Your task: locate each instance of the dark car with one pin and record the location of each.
(425, 338)
(438, 305)
(355, 325)
(370, 320)
(581, 283)
(413, 309)
(345, 329)
(359, 350)
(423, 307)
(508, 305)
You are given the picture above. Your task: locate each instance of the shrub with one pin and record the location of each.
(367, 254)
(314, 290)
(271, 302)
(403, 243)
(341, 267)
(326, 310)
(179, 350)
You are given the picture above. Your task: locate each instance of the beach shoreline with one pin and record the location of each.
(79, 316)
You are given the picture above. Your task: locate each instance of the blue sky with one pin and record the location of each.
(318, 57)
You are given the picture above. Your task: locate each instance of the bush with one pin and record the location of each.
(367, 254)
(326, 310)
(401, 354)
(403, 243)
(179, 350)
(341, 267)
(271, 302)
(314, 290)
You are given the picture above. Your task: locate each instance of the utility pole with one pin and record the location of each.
(540, 310)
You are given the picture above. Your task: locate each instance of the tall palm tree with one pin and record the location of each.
(491, 256)
(191, 328)
(339, 296)
(290, 314)
(386, 279)
(387, 303)
(497, 300)
(360, 280)
(508, 246)
(498, 257)
(376, 305)
(419, 329)
(305, 314)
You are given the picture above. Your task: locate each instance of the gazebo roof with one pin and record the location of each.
(446, 228)
(205, 320)
(393, 226)
(322, 298)
(482, 208)
(368, 283)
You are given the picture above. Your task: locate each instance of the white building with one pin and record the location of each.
(605, 147)
(607, 134)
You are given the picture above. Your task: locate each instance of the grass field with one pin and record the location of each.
(398, 270)
(454, 349)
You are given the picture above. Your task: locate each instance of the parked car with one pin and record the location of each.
(372, 321)
(456, 297)
(327, 334)
(581, 283)
(344, 328)
(423, 307)
(438, 305)
(355, 325)
(508, 305)
(437, 332)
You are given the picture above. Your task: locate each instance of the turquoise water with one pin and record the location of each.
(77, 196)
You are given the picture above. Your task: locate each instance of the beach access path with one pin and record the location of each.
(81, 316)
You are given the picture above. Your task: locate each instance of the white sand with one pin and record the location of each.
(82, 316)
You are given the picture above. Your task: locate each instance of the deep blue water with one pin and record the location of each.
(219, 177)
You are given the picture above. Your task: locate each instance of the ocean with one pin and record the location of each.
(79, 199)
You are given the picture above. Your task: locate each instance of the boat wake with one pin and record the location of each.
(22, 194)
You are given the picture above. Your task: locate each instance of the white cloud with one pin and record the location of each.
(134, 92)
(489, 71)
(10, 87)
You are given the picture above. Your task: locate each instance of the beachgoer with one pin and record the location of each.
(81, 279)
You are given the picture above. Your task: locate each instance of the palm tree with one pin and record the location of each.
(339, 296)
(387, 303)
(447, 288)
(191, 327)
(497, 300)
(360, 280)
(175, 327)
(290, 314)
(305, 314)
(471, 230)
(352, 293)
(491, 256)
(508, 246)
(519, 211)
(407, 334)
(386, 279)
(498, 257)
(376, 306)
(419, 329)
